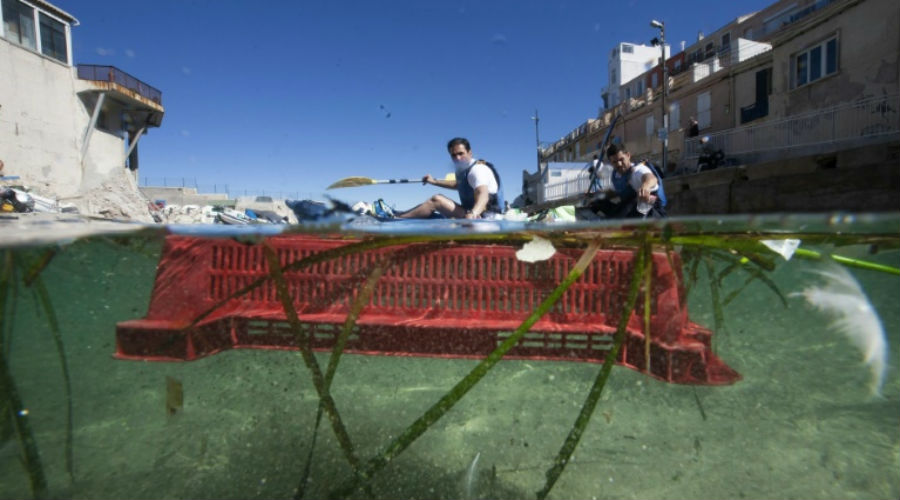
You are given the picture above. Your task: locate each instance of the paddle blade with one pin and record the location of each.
(352, 182)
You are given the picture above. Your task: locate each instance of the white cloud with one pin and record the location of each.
(129, 52)
(106, 52)
(498, 39)
(185, 133)
(185, 70)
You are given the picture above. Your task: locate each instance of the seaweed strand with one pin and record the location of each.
(325, 398)
(718, 315)
(361, 300)
(44, 299)
(31, 455)
(581, 422)
(448, 400)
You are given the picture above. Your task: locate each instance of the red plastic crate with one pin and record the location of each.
(459, 300)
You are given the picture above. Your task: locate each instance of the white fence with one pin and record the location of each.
(866, 119)
(574, 186)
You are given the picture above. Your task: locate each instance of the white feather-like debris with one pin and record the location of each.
(536, 250)
(852, 314)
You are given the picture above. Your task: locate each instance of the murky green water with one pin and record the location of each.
(802, 423)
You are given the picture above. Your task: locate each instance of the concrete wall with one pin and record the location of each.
(184, 196)
(42, 125)
(39, 120)
(816, 183)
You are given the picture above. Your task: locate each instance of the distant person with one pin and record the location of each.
(477, 182)
(693, 127)
(635, 191)
(710, 157)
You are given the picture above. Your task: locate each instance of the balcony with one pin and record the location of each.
(121, 81)
(840, 127)
(754, 111)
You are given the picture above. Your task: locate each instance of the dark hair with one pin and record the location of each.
(457, 141)
(613, 150)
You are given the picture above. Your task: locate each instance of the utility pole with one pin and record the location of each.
(664, 134)
(537, 137)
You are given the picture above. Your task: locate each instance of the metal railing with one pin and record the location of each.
(866, 119)
(230, 191)
(115, 75)
(571, 187)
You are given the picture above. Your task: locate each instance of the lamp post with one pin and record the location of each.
(537, 137)
(661, 26)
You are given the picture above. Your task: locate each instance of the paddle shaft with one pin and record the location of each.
(395, 181)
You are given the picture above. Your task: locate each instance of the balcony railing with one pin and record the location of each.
(572, 187)
(115, 75)
(866, 119)
(754, 111)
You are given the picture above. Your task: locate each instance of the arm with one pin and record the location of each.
(481, 200)
(428, 179)
(648, 186)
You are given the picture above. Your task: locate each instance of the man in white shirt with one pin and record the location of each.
(477, 182)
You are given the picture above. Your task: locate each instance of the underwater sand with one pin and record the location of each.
(801, 424)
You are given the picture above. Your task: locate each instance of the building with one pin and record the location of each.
(70, 132)
(803, 95)
(627, 61)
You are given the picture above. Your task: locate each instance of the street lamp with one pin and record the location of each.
(661, 26)
(537, 137)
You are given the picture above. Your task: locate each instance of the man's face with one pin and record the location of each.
(459, 153)
(621, 161)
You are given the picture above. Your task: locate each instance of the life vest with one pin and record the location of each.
(467, 193)
(661, 192)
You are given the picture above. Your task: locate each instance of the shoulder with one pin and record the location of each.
(641, 169)
(480, 167)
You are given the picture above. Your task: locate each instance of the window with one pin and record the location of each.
(704, 118)
(654, 80)
(53, 38)
(710, 51)
(18, 20)
(19, 27)
(726, 44)
(648, 126)
(815, 63)
(677, 65)
(674, 116)
(627, 49)
(612, 76)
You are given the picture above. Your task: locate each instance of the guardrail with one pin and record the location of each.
(115, 75)
(572, 187)
(868, 118)
(226, 189)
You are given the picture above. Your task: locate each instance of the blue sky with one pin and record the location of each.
(291, 96)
